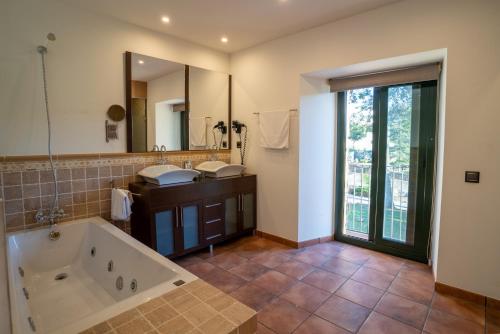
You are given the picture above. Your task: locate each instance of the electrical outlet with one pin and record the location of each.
(238, 144)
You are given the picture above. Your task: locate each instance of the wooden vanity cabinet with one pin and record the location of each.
(177, 219)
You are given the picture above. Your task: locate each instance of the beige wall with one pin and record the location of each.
(268, 77)
(85, 74)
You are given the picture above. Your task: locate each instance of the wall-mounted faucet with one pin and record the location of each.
(51, 217)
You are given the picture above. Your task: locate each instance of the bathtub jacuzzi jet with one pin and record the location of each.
(60, 277)
(85, 294)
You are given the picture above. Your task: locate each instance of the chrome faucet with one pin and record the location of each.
(163, 149)
(51, 217)
(213, 156)
(160, 150)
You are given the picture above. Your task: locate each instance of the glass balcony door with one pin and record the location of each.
(358, 153)
(385, 167)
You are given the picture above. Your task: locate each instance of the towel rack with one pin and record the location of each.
(291, 110)
(113, 185)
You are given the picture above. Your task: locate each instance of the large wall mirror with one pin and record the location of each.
(175, 106)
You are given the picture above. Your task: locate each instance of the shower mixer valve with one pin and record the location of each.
(50, 217)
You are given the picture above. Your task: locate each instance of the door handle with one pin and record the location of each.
(177, 217)
(182, 217)
(213, 205)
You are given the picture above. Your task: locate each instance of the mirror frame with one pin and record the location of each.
(128, 104)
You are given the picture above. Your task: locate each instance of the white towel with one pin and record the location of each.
(198, 131)
(120, 204)
(274, 129)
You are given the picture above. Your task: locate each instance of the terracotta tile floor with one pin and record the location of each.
(335, 288)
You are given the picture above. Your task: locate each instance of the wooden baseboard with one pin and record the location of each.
(291, 243)
(492, 303)
(466, 295)
(280, 240)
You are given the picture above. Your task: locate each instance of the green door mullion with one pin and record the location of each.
(428, 100)
(340, 166)
(379, 103)
(380, 167)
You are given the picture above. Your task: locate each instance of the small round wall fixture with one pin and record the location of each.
(116, 113)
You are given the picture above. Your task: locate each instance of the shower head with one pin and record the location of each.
(41, 49)
(51, 37)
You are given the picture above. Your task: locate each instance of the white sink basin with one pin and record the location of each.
(167, 174)
(220, 169)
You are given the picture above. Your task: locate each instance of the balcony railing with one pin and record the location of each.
(357, 203)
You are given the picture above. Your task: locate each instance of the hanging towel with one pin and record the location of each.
(274, 129)
(120, 204)
(198, 131)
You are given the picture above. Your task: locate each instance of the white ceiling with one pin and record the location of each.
(152, 68)
(244, 22)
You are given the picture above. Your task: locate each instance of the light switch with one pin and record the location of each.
(471, 177)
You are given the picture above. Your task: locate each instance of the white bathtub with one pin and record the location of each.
(89, 294)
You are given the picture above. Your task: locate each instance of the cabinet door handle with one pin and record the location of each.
(182, 217)
(212, 205)
(213, 221)
(214, 236)
(176, 217)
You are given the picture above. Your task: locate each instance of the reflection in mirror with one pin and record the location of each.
(176, 106)
(158, 100)
(208, 109)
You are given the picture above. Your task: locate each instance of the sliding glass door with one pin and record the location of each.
(385, 159)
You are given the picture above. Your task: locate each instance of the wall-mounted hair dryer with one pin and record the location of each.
(221, 127)
(237, 126)
(242, 142)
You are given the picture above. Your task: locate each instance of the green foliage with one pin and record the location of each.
(398, 123)
(361, 121)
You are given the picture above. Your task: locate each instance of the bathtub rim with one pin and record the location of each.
(112, 310)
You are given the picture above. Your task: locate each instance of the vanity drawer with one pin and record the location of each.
(213, 229)
(213, 209)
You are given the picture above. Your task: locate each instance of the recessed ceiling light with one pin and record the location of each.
(165, 19)
(141, 62)
(224, 39)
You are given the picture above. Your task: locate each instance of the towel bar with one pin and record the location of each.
(291, 110)
(115, 187)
